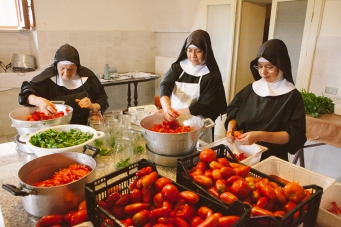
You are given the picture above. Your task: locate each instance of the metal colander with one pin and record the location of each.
(174, 144)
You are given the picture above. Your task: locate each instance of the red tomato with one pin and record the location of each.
(146, 195)
(227, 172)
(178, 222)
(200, 166)
(123, 200)
(266, 190)
(127, 222)
(149, 179)
(170, 193)
(220, 186)
(279, 213)
(215, 165)
(141, 218)
(228, 197)
(216, 174)
(196, 220)
(118, 212)
(203, 180)
(280, 196)
(207, 155)
(204, 212)
(135, 195)
(68, 215)
(82, 205)
(79, 217)
(257, 211)
(242, 171)
(133, 208)
(112, 198)
(262, 202)
(294, 192)
(241, 188)
(209, 221)
(289, 206)
(189, 196)
(213, 191)
(53, 219)
(185, 211)
(227, 221)
(232, 179)
(223, 161)
(158, 200)
(161, 182)
(255, 195)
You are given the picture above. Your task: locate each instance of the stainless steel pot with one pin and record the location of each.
(174, 144)
(19, 115)
(22, 62)
(41, 201)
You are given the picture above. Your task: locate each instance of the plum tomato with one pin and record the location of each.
(207, 155)
(294, 192)
(170, 193)
(53, 219)
(161, 182)
(196, 220)
(189, 196)
(79, 217)
(203, 180)
(82, 205)
(141, 218)
(227, 221)
(241, 188)
(68, 215)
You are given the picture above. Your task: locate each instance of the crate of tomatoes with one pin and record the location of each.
(138, 195)
(212, 173)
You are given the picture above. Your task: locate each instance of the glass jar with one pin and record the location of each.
(123, 153)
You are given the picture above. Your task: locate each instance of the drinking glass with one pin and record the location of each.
(123, 152)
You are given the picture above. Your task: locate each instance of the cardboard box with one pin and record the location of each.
(324, 217)
(253, 152)
(292, 172)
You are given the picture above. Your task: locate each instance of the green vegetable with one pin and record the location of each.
(55, 139)
(316, 105)
(123, 163)
(103, 151)
(139, 149)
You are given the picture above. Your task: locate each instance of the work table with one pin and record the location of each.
(11, 160)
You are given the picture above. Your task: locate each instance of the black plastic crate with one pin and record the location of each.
(308, 218)
(102, 187)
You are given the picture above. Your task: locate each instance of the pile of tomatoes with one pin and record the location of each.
(334, 208)
(170, 127)
(71, 218)
(155, 201)
(66, 175)
(229, 182)
(240, 157)
(40, 116)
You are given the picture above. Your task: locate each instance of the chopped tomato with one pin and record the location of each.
(170, 127)
(39, 116)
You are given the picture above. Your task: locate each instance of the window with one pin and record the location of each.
(16, 14)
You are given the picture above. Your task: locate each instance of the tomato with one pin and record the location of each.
(215, 165)
(204, 212)
(170, 193)
(227, 221)
(266, 190)
(123, 200)
(237, 134)
(162, 225)
(213, 191)
(228, 197)
(220, 186)
(178, 222)
(68, 215)
(53, 219)
(146, 195)
(262, 202)
(289, 206)
(82, 205)
(208, 173)
(240, 188)
(118, 212)
(189, 196)
(307, 195)
(216, 175)
(257, 211)
(166, 208)
(250, 179)
(280, 196)
(255, 195)
(133, 208)
(196, 220)
(200, 166)
(127, 222)
(203, 180)
(79, 217)
(227, 172)
(242, 171)
(209, 221)
(102, 203)
(224, 161)
(232, 179)
(207, 155)
(141, 217)
(280, 179)
(279, 213)
(294, 192)
(161, 182)
(185, 211)
(135, 195)
(112, 198)
(158, 200)
(149, 179)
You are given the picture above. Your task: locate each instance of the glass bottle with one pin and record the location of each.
(123, 153)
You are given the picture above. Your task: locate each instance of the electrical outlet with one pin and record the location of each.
(330, 90)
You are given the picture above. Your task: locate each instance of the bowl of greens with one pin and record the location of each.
(61, 138)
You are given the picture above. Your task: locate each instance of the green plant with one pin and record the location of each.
(316, 105)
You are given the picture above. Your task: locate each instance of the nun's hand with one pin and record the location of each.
(170, 114)
(45, 106)
(84, 102)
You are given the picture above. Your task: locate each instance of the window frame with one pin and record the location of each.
(25, 16)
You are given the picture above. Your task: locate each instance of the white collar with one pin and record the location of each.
(263, 88)
(74, 83)
(194, 70)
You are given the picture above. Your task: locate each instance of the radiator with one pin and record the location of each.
(162, 64)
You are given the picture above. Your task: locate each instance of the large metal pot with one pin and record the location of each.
(174, 144)
(41, 201)
(19, 115)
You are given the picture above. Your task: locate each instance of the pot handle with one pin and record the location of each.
(17, 191)
(57, 102)
(210, 125)
(95, 149)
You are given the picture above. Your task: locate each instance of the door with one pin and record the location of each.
(296, 23)
(219, 22)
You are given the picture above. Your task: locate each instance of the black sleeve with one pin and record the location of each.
(97, 92)
(168, 80)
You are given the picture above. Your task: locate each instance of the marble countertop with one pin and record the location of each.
(11, 160)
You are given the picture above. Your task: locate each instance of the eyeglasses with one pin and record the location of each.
(270, 69)
(195, 51)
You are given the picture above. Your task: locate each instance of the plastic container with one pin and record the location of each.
(101, 188)
(326, 218)
(337, 107)
(307, 217)
(253, 152)
(292, 172)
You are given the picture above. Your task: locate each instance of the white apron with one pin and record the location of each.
(185, 94)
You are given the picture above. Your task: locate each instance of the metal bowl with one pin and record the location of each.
(19, 116)
(174, 144)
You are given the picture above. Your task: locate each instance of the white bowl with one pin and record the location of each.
(39, 151)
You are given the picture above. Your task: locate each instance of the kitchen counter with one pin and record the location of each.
(11, 160)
